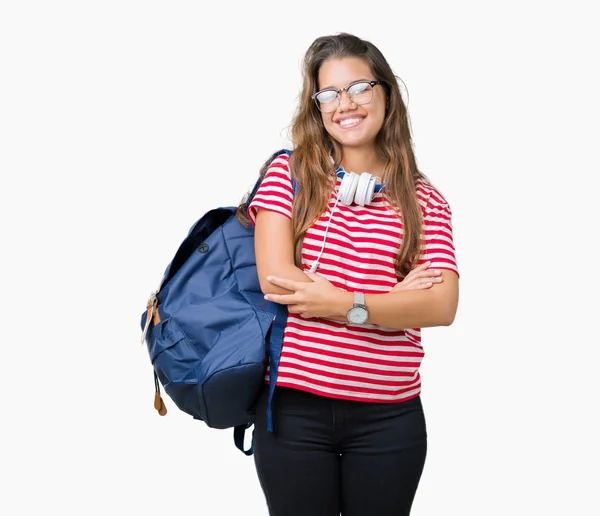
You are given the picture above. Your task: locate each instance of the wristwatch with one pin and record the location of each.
(358, 314)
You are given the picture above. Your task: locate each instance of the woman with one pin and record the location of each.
(362, 260)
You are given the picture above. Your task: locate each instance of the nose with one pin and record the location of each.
(346, 102)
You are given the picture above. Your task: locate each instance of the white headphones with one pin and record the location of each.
(358, 188)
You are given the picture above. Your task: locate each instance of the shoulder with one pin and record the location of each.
(430, 198)
(281, 159)
(277, 168)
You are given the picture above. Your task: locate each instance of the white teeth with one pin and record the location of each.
(350, 121)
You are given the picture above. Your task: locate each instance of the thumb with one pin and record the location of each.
(313, 276)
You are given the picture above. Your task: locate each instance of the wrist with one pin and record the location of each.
(344, 302)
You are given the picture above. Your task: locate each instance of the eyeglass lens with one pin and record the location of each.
(359, 93)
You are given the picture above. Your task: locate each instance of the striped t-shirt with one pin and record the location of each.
(356, 362)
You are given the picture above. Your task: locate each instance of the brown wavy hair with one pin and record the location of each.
(312, 145)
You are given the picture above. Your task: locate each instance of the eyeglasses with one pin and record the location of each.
(359, 92)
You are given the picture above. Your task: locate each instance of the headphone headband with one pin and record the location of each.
(340, 173)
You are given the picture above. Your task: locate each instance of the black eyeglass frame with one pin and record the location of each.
(339, 91)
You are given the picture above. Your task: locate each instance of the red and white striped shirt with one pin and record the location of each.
(355, 362)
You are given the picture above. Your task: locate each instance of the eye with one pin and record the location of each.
(326, 96)
(358, 88)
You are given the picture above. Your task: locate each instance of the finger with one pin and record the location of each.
(418, 268)
(313, 276)
(282, 282)
(281, 299)
(429, 282)
(416, 284)
(430, 273)
(423, 285)
(425, 279)
(422, 266)
(298, 309)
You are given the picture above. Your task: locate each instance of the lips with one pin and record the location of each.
(349, 122)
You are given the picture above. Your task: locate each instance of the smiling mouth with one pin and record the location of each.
(350, 122)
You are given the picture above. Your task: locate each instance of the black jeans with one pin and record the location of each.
(328, 456)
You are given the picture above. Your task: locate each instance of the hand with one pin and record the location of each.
(317, 298)
(420, 278)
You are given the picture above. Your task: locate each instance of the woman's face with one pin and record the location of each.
(351, 124)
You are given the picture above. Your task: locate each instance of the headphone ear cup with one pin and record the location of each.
(365, 190)
(348, 188)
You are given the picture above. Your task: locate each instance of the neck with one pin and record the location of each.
(359, 160)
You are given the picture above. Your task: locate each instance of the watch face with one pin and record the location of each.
(357, 315)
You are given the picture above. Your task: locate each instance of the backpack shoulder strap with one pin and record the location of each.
(275, 339)
(295, 184)
(274, 345)
(262, 173)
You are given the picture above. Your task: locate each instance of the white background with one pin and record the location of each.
(122, 122)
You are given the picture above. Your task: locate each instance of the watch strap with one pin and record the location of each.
(359, 298)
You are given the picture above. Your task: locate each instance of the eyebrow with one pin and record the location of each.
(334, 88)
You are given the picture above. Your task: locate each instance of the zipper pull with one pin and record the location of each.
(159, 404)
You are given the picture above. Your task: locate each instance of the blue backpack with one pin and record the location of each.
(208, 329)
